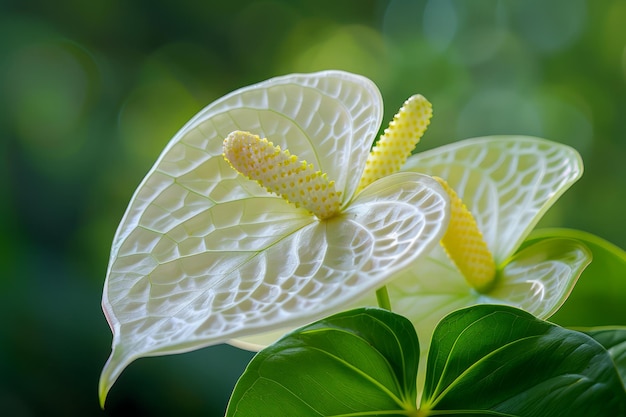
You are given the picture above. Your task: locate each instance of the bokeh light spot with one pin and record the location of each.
(353, 48)
(440, 23)
(49, 86)
(499, 111)
(153, 112)
(549, 26)
(480, 44)
(564, 121)
(402, 20)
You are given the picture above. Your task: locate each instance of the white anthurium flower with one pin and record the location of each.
(267, 210)
(500, 187)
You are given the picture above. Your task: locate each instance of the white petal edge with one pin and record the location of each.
(540, 277)
(329, 118)
(507, 182)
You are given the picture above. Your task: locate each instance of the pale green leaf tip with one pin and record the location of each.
(111, 371)
(103, 390)
(106, 381)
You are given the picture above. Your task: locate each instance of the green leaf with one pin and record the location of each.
(357, 363)
(498, 360)
(598, 298)
(486, 360)
(614, 341)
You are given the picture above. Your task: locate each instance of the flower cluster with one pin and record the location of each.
(274, 207)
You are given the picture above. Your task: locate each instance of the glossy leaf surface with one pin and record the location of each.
(505, 361)
(614, 341)
(360, 362)
(486, 360)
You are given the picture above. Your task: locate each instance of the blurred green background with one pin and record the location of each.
(92, 91)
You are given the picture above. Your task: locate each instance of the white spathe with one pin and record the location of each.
(203, 255)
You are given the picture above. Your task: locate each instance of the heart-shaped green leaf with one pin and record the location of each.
(486, 360)
(498, 360)
(361, 362)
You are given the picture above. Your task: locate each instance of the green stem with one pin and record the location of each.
(382, 296)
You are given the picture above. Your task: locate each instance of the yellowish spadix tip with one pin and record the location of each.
(282, 173)
(398, 141)
(465, 245)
